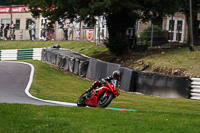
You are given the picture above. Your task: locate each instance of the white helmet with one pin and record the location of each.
(116, 75)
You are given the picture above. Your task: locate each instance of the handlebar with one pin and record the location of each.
(104, 81)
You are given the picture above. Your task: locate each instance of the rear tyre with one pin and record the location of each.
(104, 101)
(81, 100)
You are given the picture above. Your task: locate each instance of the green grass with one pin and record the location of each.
(175, 58)
(51, 83)
(29, 118)
(169, 58)
(88, 48)
(154, 114)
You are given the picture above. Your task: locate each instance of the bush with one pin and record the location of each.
(117, 45)
(159, 36)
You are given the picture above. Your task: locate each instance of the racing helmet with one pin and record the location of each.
(116, 75)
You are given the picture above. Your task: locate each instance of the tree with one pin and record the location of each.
(119, 14)
(158, 36)
(8, 2)
(184, 7)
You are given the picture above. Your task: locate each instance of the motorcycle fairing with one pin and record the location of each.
(92, 101)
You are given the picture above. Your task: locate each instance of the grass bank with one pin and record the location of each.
(87, 48)
(174, 61)
(154, 114)
(179, 60)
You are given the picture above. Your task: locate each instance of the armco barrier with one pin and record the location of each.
(101, 70)
(71, 64)
(67, 60)
(112, 67)
(83, 67)
(128, 81)
(91, 71)
(98, 69)
(62, 61)
(162, 85)
(66, 63)
(132, 80)
(9, 54)
(195, 88)
(137, 81)
(76, 66)
(21, 54)
(24, 54)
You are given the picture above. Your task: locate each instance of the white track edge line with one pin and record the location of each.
(29, 86)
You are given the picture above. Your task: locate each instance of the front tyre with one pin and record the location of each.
(81, 100)
(104, 101)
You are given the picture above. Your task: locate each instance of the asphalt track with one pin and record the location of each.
(15, 81)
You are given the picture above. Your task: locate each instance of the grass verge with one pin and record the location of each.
(45, 119)
(87, 48)
(154, 114)
(178, 58)
(174, 61)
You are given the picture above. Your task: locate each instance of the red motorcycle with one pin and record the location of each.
(100, 97)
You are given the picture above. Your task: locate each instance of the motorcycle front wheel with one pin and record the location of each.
(104, 101)
(81, 100)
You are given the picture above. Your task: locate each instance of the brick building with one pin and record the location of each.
(175, 26)
(21, 16)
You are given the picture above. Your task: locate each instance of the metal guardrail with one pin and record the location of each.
(195, 88)
(66, 60)
(21, 54)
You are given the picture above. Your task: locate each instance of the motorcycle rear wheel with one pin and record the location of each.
(104, 101)
(81, 100)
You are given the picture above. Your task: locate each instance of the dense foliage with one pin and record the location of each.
(9, 2)
(185, 9)
(119, 14)
(158, 36)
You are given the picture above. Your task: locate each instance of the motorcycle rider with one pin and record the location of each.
(116, 75)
